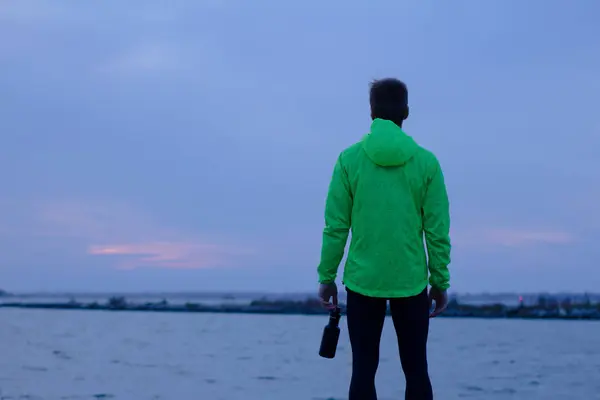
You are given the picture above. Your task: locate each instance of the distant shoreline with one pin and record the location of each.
(586, 311)
(213, 297)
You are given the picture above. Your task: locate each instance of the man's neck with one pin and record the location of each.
(399, 123)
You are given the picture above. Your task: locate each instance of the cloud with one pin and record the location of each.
(145, 58)
(515, 238)
(26, 11)
(186, 255)
(129, 238)
(29, 12)
(512, 237)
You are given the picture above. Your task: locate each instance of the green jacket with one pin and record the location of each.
(390, 192)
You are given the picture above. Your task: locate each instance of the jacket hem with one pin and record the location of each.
(387, 294)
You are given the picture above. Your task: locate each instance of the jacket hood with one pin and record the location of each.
(387, 145)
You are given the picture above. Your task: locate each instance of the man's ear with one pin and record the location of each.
(407, 112)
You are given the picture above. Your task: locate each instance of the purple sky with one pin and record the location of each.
(188, 145)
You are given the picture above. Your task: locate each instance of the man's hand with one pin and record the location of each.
(440, 297)
(328, 294)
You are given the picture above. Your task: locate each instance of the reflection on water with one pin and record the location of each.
(142, 356)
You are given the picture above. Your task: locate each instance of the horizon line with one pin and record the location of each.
(272, 293)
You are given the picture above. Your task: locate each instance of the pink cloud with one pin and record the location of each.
(147, 58)
(512, 237)
(183, 255)
(129, 238)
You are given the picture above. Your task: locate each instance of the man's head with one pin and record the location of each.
(389, 100)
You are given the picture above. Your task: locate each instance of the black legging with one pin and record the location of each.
(365, 317)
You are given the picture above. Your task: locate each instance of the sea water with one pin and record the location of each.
(74, 355)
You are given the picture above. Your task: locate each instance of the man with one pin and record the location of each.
(390, 192)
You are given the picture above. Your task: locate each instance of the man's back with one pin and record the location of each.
(393, 191)
(390, 192)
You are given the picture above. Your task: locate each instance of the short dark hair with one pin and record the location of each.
(389, 99)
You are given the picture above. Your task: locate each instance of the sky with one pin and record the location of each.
(188, 145)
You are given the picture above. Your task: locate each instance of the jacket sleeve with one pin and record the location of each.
(436, 224)
(338, 211)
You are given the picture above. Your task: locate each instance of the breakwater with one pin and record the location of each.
(565, 311)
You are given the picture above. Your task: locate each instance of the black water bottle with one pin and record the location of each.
(331, 334)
